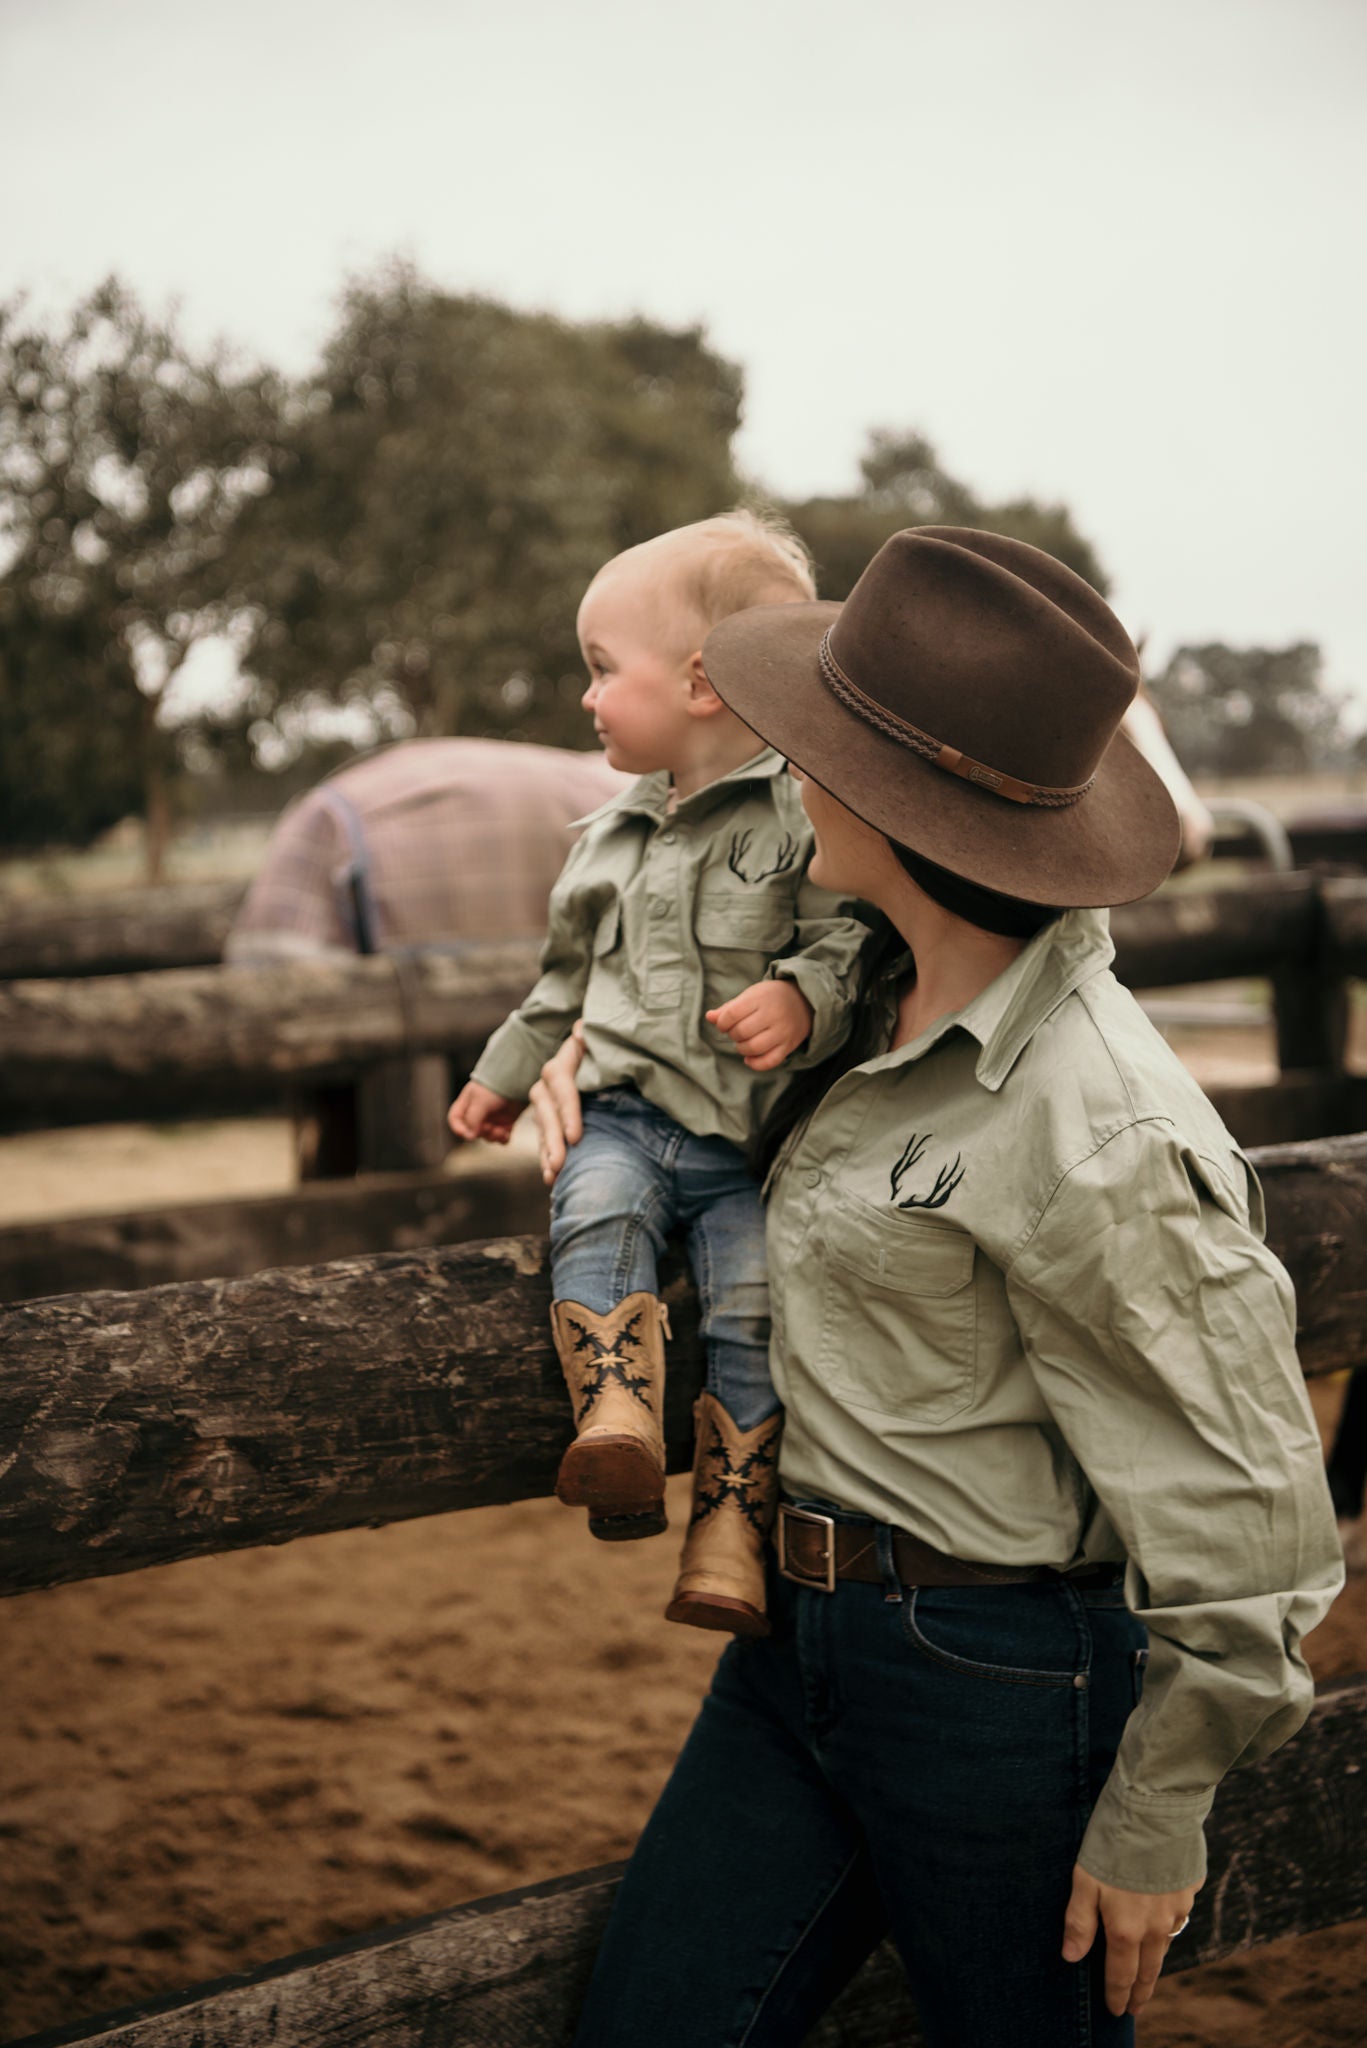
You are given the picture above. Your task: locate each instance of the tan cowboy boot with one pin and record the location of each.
(614, 1367)
(735, 1492)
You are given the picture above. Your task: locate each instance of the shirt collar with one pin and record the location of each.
(1005, 1016)
(648, 797)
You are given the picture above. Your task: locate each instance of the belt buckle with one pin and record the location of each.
(826, 1522)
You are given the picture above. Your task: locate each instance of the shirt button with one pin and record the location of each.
(668, 838)
(658, 907)
(812, 1177)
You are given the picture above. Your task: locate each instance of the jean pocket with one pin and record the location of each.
(1015, 1635)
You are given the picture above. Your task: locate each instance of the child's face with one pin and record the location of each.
(639, 688)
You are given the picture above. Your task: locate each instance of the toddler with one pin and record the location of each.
(685, 935)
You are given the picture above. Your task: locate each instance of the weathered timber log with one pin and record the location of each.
(184, 1420)
(201, 1041)
(1316, 1197)
(123, 931)
(1285, 1858)
(228, 1240)
(503, 1972)
(1218, 935)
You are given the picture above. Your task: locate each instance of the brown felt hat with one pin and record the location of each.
(965, 700)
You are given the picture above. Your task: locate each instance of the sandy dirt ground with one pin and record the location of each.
(219, 1762)
(213, 1764)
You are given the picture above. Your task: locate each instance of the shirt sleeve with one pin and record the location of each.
(824, 965)
(1160, 1332)
(513, 1058)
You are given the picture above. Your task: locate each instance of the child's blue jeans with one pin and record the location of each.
(634, 1176)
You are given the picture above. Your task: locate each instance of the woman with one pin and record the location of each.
(1038, 1371)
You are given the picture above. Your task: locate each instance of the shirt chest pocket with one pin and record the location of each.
(898, 1313)
(738, 933)
(606, 994)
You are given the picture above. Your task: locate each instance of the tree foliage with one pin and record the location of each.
(405, 534)
(1250, 710)
(903, 484)
(459, 472)
(124, 459)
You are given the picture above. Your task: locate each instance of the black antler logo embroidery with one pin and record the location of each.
(740, 847)
(608, 1366)
(734, 1479)
(946, 1180)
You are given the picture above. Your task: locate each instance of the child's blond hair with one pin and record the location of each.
(718, 566)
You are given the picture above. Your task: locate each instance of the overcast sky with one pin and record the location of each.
(1112, 254)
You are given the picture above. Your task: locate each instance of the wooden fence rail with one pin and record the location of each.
(213, 1040)
(183, 1420)
(228, 1239)
(119, 931)
(210, 1040)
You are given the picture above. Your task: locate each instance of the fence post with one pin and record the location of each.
(1310, 1005)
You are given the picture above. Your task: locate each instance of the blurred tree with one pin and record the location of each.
(458, 473)
(904, 485)
(123, 460)
(1251, 710)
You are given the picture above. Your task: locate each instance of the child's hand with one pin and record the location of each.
(478, 1113)
(766, 1021)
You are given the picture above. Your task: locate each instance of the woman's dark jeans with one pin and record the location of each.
(920, 1765)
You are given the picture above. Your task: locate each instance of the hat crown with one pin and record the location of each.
(991, 647)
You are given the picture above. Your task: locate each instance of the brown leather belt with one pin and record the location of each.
(816, 1550)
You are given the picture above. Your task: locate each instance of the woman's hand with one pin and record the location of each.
(765, 1022)
(1139, 1927)
(478, 1112)
(555, 1099)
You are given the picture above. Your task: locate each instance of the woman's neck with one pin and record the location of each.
(955, 961)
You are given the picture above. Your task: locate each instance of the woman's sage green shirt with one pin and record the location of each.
(1022, 1308)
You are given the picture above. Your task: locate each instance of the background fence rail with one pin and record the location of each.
(214, 1040)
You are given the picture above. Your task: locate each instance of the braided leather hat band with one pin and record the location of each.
(937, 752)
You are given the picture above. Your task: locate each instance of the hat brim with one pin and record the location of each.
(1114, 845)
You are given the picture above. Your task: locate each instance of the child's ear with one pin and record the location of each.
(703, 701)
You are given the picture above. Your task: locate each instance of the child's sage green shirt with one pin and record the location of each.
(1022, 1308)
(660, 915)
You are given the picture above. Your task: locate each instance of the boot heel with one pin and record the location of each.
(626, 1528)
(610, 1475)
(701, 1610)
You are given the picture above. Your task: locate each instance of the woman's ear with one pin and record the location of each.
(703, 701)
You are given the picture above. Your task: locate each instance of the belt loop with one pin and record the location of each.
(887, 1564)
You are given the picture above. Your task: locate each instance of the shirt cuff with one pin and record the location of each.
(1145, 1845)
(830, 1009)
(511, 1062)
